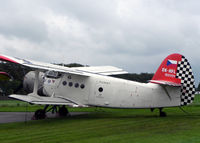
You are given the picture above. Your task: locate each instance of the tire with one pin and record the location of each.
(163, 114)
(40, 114)
(63, 111)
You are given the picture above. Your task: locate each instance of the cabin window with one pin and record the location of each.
(64, 83)
(70, 84)
(82, 86)
(76, 85)
(100, 89)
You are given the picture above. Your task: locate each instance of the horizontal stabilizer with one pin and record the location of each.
(165, 83)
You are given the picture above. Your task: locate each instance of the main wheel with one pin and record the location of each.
(163, 114)
(40, 114)
(63, 111)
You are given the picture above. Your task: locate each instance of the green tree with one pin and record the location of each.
(198, 88)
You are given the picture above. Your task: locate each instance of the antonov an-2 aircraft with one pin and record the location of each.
(172, 85)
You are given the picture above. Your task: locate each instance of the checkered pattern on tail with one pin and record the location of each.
(184, 72)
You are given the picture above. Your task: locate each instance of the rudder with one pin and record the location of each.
(184, 72)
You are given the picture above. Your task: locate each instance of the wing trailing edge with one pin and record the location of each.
(40, 100)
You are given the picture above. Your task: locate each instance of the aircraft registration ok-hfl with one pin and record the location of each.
(172, 85)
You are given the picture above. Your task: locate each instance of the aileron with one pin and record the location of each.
(42, 100)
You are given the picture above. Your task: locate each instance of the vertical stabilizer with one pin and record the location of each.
(175, 70)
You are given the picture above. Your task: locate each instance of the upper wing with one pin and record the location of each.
(103, 70)
(84, 71)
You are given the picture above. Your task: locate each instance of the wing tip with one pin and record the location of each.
(8, 59)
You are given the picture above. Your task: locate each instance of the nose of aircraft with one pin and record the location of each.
(28, 82)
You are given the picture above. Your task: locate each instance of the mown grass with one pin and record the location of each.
(109, 126)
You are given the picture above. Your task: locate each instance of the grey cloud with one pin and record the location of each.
(22, 19)
(135, 35)
(31, 30)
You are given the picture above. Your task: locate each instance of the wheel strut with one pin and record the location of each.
(40, 113)
(63, 111)
(162, 114)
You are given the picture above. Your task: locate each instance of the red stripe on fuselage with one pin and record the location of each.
(168, 72)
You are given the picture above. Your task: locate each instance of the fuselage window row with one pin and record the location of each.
(76, 85)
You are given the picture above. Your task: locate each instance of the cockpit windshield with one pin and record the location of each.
(52, 74)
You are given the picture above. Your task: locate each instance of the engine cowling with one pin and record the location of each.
(28, 82)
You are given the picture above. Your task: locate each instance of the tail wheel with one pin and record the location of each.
(63, 111)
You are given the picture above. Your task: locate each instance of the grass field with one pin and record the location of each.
(106, 126)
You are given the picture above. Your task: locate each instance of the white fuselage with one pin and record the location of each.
(105, 91)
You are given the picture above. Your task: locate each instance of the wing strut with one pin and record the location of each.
(36, 82)
(164, 87)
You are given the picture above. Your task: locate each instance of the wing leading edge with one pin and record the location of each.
(84, 71)
(165, 83)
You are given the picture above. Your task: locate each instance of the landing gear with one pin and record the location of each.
(162, 114)
(63, 111)
(41, 113)
(152, 109)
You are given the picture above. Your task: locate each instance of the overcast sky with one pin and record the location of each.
(135, 35)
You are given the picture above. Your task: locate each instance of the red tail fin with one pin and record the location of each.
(168, 69)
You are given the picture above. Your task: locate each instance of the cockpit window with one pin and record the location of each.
(53, 74)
